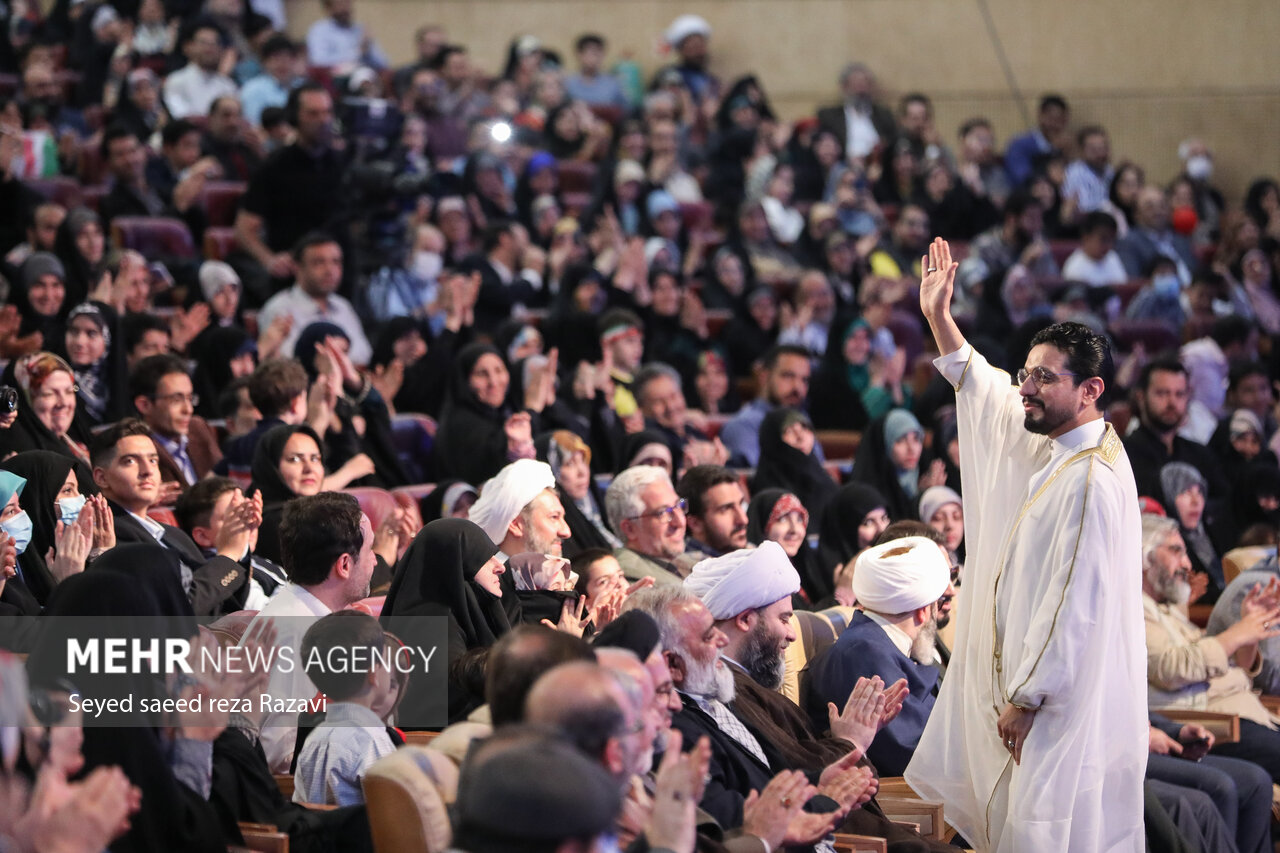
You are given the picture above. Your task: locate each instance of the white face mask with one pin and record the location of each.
(427, 265)
(69, 508)
(1199, 167)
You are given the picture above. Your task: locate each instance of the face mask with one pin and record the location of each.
(1199, 167)
(427, 265)
(1166, 286)
(70, 508)
(19, 527)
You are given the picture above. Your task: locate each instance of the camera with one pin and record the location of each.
(8, 400)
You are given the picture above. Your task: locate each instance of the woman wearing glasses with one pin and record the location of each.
(46, 417)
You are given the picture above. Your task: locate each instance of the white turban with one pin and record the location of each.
(684, 26)
(744, 580)
(901, 575)
(511, 490)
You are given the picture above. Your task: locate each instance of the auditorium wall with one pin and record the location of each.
(1151, 71)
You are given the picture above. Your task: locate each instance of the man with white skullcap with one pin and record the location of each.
(688, 37)
(520, 510)
(897, 585)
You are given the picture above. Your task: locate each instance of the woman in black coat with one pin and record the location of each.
(473, 442)
(788, 461)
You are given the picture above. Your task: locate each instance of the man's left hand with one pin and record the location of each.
(1013, 726)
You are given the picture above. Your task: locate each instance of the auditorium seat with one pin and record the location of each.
(93, 167)
(220, 200)
(839, 443)
(164, 515)
(154, 236)
(1062, 249)
(92, 196)
(375, 503)
(717, 319)
(218, 243)
(414, 436)
(1154, 335)
(407, 794)
(815, 631)
(414, 493)
(65, 191)
(907, 332)
(578, 177)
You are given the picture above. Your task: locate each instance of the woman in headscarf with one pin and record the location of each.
(647, 447)
(780, 516)
(101, 378)
(363, 425)
(1184, 490)
(452, 570)
(1256, 498)
(544, 585)
(570, 461)
(449, 499)
(787, 460)
(891, 460)
(849, 525)
(46, 408)
(52, 489)
(221, 354)
(850, 387)
(17, 596)
(478, 433)
(287, 463)
(942, 509)
(753, 329)
(82, 248)
(41, 297)
(132, 589)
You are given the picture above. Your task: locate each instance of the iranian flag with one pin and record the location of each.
(39, 154)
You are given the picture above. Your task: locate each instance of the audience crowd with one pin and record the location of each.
(623, 380)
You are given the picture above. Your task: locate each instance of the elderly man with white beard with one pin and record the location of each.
(898, 584)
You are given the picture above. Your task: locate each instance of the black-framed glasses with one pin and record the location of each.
(666, 513)
(1041, 376)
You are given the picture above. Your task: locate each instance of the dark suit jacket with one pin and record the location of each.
(1138, 249)
(864, 650)
(202, 448)
(496, 299)
(1147, 455)
(218, 584)
(832, 119)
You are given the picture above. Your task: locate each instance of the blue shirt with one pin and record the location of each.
(337, 753)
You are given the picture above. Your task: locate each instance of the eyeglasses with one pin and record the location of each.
(177, 398)
(666, 513)
(1041, 376)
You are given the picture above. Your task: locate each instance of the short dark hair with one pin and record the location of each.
(145, 377)
(1088, 353)
(135, 326)
(213, 105)
(278, 44)
(446, 51)
(175, 130)
(1242, 369)
(229, 398)
(494, 233)
(275, 384)
(273, 117)
(972, 124)
(582, 563)
(1098, 220)
(698, 480)
(587, 40)
(615, 317)
(914, 98)
(315, 532)
(1052, 100)
(111, 134)
(196, 505)
(771, 356)
(294, 102)
(905, 528)
(519, 659)
(102, 448)
(1018, 202)
(309, 241)
(652, 372)
(342, 629)
(201, 23)
(1087, 131)
(1159, 365)
(1230, 330)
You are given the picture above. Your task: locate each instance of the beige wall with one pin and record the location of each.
(1151, 71)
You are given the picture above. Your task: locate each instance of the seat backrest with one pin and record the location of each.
(406, 794)
(154, 236)
(816, 631)
(375, 503)
(230, 628)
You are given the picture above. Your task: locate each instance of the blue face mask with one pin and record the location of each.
(19, 527)
(1167, 286)
(70, 508)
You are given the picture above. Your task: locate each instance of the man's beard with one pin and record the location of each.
(1162, 424)
(922, 647)
(1047, 423)
(762, 659)
(708, 680)
(1173, 589)
(549, 546)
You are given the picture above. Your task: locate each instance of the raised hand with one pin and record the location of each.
(860, 719)
(104, 524)
(937, 282)
(571, 617)
(71, 546)
(677, 790)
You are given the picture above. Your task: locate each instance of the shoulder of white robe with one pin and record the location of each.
(1110, 447)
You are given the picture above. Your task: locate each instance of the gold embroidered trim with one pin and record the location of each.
(965, 372)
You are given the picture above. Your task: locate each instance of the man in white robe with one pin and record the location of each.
(1037, 742)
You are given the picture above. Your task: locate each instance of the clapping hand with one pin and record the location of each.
(71, 546)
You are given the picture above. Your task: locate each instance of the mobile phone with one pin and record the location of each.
(1194, 750)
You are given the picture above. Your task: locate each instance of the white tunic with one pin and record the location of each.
(1050, 616)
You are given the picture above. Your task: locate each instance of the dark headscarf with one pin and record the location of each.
(588, 524)
(634, 630)
(815, 584)
(838, 528)
(212, 351)
(432, 506)
(51, 326)
(134, 586)
(45, 472)
(266, 479)
(309, 341)
(471, 442)
(783, 466)
(82, 276)
(392, 331)
(637, 441)
(836, 399)
(103, 384)
(1258, 479)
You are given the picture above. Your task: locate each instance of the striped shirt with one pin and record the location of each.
(337, 753)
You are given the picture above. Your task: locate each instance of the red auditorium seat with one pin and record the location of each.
(221, 199)
(9, 84)
(697, 215)
(153, 236)
(93, 168)
(606, 113)
(906, 333)
(1156, 336)
(1062, 249)
(375, 503)
(218, 243)
(414, 435)
(576, 177)
(65, 191)
(91, 197)
(414, 493)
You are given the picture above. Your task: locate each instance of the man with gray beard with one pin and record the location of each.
(898, 584)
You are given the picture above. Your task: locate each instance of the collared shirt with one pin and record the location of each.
(1089, 189)
(861, 136)
(330, 43)
(155, 528)
(304, 310)
(730, 725)
(178, 450)
(261, 92)
(191, 90)
(337, 753)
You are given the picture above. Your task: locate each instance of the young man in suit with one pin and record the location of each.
(187, 446)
